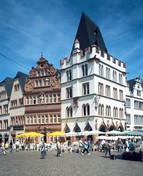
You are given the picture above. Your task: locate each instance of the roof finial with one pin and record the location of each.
(41, 54)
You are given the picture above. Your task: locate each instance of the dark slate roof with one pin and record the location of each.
(131, 84)
(88, 33)
(7, 82)
(22, 77)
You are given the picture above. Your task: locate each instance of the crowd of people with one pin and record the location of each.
(81, 146)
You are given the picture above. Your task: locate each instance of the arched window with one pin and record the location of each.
(102, 110)
(88, 109)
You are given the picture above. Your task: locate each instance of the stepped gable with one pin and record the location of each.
(132, 82)
(89, 34)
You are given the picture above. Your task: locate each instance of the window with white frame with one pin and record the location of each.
(69, 111)
(51, 119)
(69, 92)
(43, 119)
(121, 113)
(59, 98)
(27, 119)
(115, 112)
(31, 119)
(34, 100)
(46, 119)
(69, 75)
(128, 118)
(54, 97)
(138, 93)
(115, 93)
(138, 119)
(55, 118)
(120, 94)
(27, 100)
(59, 118)
(101, 109)
(30, 100)
(47, 99)
(101, 70)
(35, 119)
(128, 103)
(100, 89)
(108, 111)
(107, 91)
(50, 98)
(84, 70)
(138, 105)
(40, 83)
(120, 78)
(36, 83)
(86, 109)
(85, 88)
(39, 119)
(114, 76)
(107, 73)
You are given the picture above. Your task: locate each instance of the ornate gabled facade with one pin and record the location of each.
(5, 90)
(93, 85)
(134, 104)
(42, 99)
(17, 109)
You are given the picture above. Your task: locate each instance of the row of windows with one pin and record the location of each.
(108, 111)
(18, 120)
(138, 119)
(84, 70)
(39, 99)
(137, 104)
(43, 119)
(108, 91)
(15, 103)
(3, 124)
(42, 73)
(4, 109)
(86, 111)
(86, 91)
(42, 82)
(108, 74)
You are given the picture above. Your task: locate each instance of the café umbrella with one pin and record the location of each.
(56, 133)
(30, 134)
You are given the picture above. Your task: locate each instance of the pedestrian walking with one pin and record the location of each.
(58, 145)
(107, 148)
(3, 148)
(43, 150)
(11, 146)
(85, 148)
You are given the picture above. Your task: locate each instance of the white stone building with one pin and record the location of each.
(93, 84)
(5, 90)
(134, 104)
(17, 108)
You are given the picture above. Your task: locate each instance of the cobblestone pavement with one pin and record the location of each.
(26, 163)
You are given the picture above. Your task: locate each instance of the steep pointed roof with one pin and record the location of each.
(7, 82)
(22, 77)
(88, 33)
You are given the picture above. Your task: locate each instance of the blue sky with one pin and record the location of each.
(29, 27)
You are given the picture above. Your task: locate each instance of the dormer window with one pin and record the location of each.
(138, 93)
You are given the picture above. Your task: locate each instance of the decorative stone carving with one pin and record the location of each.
(29, 85)
(32, 73)
(55, 83)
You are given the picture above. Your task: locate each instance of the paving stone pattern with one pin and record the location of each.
(26, 163)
